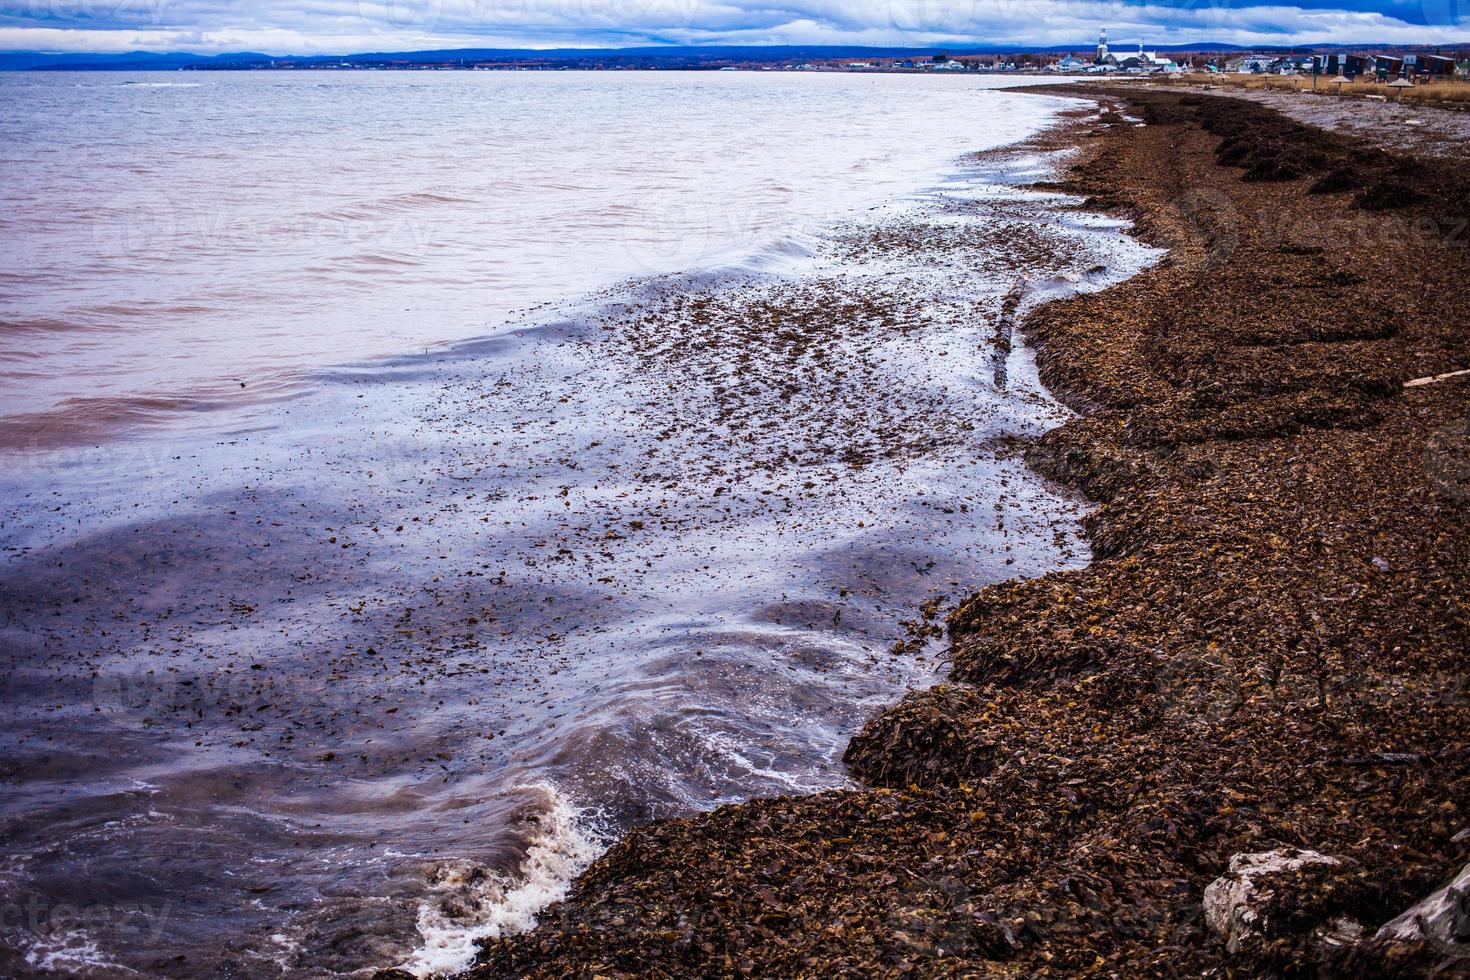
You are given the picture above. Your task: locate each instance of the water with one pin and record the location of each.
(350, 674)
(185, 241)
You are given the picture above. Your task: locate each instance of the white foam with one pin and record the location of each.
(72, 952)
(739, 752)
(567, 840)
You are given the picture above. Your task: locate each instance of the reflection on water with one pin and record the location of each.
(381, 669)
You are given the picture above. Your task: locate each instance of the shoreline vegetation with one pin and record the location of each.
(1259, 684)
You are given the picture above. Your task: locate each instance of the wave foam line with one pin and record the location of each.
(566, 842)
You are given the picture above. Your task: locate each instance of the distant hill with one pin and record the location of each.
(133, 61)
(668, 56)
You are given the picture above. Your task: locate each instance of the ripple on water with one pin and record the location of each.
(394, 670)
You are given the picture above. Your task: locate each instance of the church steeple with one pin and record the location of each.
(1102, 46)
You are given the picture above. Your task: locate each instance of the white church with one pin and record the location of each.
(1141, 60)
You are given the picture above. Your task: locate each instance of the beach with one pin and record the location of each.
(367, 661)
(1266, 654)
(972, 553)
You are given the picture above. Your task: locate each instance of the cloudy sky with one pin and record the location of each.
(341, 26)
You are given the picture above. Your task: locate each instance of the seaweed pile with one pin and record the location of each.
(1269, 651)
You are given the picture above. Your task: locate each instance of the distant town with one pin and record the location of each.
(1130, 58)
(1123, 56)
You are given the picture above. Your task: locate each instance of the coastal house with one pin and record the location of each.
(1291, 65)
(1347, 65)
(1387, 66)
(1250, 64)
(1435, 66)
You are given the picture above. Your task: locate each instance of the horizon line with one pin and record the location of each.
(988, 46)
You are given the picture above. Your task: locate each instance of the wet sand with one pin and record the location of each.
(1267, 651)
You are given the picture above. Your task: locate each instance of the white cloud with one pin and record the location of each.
(317, 26)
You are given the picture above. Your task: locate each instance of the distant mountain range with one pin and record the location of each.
(672, 57)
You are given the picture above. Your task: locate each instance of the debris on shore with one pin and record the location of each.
(1269, 653)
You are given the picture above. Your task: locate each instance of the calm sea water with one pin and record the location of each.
(185, 241)
(365, 660)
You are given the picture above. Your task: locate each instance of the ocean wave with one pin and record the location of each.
(469, 904)
(391, 205)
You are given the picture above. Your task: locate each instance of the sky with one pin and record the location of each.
(349, 26)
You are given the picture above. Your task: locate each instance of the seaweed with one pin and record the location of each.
(1269, 648)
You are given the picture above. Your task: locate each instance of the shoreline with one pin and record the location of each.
(1263, 655)
(499, 567)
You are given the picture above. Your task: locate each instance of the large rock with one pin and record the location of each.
(1442, 918)
(1234, 901)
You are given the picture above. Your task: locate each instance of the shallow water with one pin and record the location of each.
(177, 243)
(361, 676)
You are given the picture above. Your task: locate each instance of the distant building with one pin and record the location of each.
(1386, 66)
(1250, 64)
(1139, 61)
(1290, 65)
(1102, 48)
(1436, 66)
(1347, 65)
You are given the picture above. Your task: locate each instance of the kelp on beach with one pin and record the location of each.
(1269, 650)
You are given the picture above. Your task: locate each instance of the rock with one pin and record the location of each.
(1341, 932)
(1443, 917)
(1233, 900)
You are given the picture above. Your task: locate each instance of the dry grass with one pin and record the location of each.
(1434, 92)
